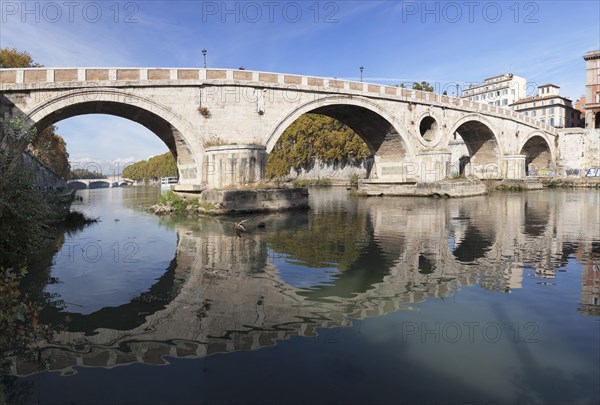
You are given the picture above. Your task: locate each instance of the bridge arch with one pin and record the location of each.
(377, 127)
(537, 150)
(481, 141)
(172, 129)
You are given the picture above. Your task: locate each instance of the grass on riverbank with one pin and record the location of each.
(320, 182)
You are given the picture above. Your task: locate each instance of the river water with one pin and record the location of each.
(490, 299)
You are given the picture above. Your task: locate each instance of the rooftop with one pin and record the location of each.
(592, 55)
(538, 98)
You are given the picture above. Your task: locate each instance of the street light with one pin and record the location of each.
(361, 72)
(204, 55)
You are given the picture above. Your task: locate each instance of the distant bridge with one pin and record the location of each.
(221, 124)
(109, 181)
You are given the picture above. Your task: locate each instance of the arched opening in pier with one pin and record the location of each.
(537, 156)
(364, 133)
(475, 151)
(428, 128)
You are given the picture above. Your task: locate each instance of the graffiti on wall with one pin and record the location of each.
(539, 171)
(593, 172)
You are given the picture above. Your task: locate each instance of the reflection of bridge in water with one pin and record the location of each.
(109, 181)
(223, 292)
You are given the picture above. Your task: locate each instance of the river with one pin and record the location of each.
(489, 299)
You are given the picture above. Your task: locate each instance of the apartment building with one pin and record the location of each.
(501, 90)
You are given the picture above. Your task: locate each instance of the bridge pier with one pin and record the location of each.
(234, 165)
(513, 167)
(433, 166)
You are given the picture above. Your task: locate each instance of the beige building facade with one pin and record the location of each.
(501, 90)
(549, 107)
(592, 89)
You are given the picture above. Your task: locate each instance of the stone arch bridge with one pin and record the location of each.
(109, 181)
(221, 124)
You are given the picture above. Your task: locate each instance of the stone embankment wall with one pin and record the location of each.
(578, 152)
(43, 176)
(322, 170)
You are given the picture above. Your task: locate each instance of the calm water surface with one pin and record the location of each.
(359, 300)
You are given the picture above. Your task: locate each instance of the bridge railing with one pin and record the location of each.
(69, 77)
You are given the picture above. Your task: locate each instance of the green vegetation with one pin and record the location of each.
(313, 138)
(23, 208)
(47, 146)
(152, 169)
(423, 86)
(330, 237)
(169, 198)
(51, 149)
(86, 174)
(354, 179)
(19, 326)
(12, 58)
(171, 203)
(320, 182)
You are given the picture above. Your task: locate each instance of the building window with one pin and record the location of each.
(533, 113)
(526, 113)
(505, 102)
(552, 111)
(552, 121)
(551, 101)
(597, 97)
(543, 111)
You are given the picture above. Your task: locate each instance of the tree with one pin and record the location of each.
(153, 168)
(51, 149)
(86, 174)
(12, 58)
(48, 146)
(423, 86)
(312, 138)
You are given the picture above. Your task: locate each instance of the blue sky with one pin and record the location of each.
(396, 41)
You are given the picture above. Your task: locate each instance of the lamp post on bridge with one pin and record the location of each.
(361, 73)
(204, 56)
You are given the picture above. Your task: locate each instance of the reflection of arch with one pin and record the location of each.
(369, 268)
(158, 119)
(124, 317)
(537, 152)
(371, 122)
(482, 144)
(477, 239)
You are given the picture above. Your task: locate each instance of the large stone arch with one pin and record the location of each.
(482, 143)
(538, 152)
(377, 127)
(177, 134)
